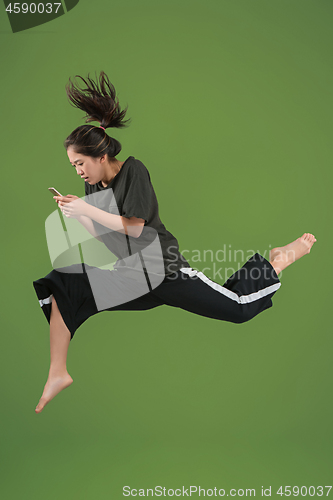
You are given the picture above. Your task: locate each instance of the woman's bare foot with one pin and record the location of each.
(53, 386)
(282, 257)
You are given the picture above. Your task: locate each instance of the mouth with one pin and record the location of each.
(85, 178)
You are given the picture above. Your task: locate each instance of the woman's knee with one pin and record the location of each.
(244, 314)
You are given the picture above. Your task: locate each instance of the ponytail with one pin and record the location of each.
(99, 102)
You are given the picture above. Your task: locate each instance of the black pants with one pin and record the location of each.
(244, 295)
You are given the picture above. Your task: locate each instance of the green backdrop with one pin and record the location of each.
(231, 109)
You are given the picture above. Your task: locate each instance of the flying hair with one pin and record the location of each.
(98, 100)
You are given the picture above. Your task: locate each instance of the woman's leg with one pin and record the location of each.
(58, 378)
(244, 295)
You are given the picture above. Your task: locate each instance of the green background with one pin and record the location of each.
(231, 109)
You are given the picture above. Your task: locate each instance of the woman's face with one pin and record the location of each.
(87, 167)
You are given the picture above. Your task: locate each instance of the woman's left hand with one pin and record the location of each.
(71, 205)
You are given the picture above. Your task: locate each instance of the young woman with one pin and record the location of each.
(121, 210)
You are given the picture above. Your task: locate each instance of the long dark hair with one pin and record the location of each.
(100, 104)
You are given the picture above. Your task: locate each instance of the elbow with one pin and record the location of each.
(139, 231)
(134, 226)
(134, 231)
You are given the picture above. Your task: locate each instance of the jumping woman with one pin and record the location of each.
(120, 209)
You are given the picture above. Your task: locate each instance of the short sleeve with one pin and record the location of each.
(139, 194)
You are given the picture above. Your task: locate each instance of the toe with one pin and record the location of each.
(40, 405)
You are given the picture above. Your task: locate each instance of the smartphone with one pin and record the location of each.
(54, 191)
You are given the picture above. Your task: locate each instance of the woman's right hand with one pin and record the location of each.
(71, 206)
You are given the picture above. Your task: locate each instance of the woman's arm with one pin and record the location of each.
(88, 224)
(72, 206)
(127, 225)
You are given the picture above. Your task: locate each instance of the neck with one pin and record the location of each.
(112, 170)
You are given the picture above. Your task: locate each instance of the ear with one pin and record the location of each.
(103, 158)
